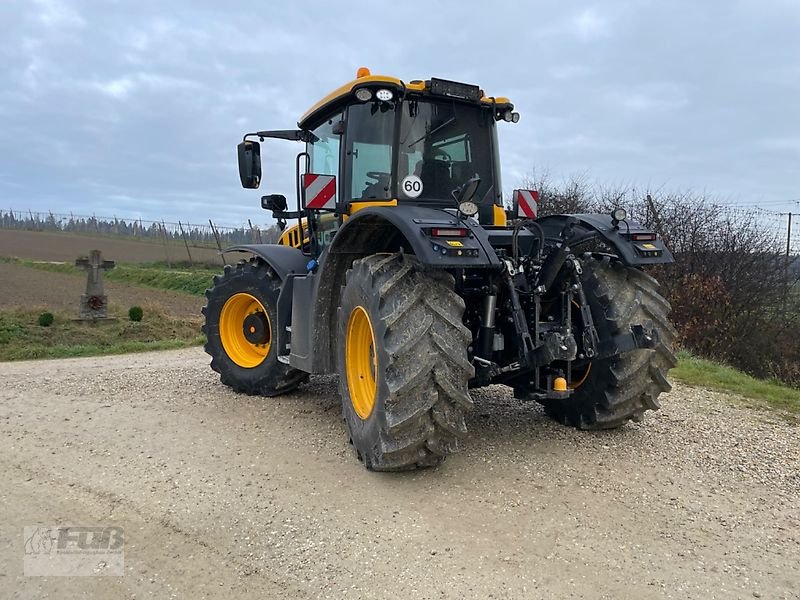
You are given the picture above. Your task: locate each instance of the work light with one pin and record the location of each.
(363, 94)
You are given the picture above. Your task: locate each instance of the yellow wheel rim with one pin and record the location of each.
(361, 361)
(245, 330)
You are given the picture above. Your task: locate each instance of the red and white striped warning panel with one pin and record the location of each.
(527, 202)
(320, 191)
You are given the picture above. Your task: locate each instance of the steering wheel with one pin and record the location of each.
(442, 154)
(377, 175)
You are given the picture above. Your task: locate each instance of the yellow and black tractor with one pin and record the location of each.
(400, 270)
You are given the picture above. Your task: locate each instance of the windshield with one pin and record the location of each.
(444, 144)
(431, 147)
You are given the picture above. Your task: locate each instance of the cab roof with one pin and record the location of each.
(365, 79)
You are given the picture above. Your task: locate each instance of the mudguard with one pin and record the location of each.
(284, 260)
(621, 237)
(381, 229)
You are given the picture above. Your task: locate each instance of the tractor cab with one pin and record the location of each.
(377, 141)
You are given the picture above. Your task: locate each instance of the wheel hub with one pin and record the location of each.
(256, 328)
(245, 330)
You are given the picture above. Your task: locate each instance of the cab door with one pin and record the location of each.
(324, 160)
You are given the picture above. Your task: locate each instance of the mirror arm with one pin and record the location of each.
(285, 214)
(293, 135)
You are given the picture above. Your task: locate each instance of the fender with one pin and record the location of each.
(388, 229)
(284, 260)
(370, 231)
(287, 262)
(622, 237)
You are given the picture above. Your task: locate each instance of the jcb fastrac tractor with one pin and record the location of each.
(401, 270)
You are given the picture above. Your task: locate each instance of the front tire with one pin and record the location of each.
(622, 387)
(240, 324)
(403, 367)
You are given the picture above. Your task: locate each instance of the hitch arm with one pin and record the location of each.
(636, 339)
(526, 346)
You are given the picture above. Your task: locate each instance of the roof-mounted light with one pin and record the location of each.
(363, 94)
(453, 89)
(362, 72)
(384, 95)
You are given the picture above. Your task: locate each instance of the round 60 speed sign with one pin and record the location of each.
(411, 186)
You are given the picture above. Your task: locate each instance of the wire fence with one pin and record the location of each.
(204, 239)
(784, 226)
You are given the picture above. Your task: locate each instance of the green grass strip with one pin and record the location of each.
(188, 280)
(36, 351)
(764, 394)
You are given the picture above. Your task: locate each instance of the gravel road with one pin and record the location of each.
(227, 496)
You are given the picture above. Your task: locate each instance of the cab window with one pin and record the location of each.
(445, 144)
(370, 133)
(325, 150)
(324, 160)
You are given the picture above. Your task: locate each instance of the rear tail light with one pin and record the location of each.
(643, 237)
(449, 232)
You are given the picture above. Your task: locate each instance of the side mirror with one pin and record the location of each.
(249, 164)
(274, 202)
(467, 190)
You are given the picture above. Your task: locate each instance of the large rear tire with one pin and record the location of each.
(623, 387)
(240, 322)
(403, 367)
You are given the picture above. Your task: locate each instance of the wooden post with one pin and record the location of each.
(166, 249)
(186, 243)
(787, 260)
(219, 246)
(656, 220)
(256, 232)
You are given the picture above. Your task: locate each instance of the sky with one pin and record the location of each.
(134, 109)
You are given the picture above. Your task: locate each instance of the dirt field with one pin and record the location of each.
(42, 245)
(24, 286)
(227, 496)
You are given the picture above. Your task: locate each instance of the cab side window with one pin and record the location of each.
(370, 131)
(325, 150)
(324, 153)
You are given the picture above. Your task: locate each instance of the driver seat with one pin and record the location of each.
(435, 175)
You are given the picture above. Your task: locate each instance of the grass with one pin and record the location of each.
(186, 279)
(760, 393)
(22, 338)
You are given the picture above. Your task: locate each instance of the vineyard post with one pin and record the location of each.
(787, 261)
(216, 237)
(166, 248)
(255, 231)
(186, 243)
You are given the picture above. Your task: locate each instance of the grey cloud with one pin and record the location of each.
(127, 108)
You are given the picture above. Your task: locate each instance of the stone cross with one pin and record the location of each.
(94, 303)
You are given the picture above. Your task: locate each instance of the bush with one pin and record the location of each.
(46, 319)
(135, 313)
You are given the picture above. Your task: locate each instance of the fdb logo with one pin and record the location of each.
(74, 550)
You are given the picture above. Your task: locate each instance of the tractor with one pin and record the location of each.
(401, 270)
